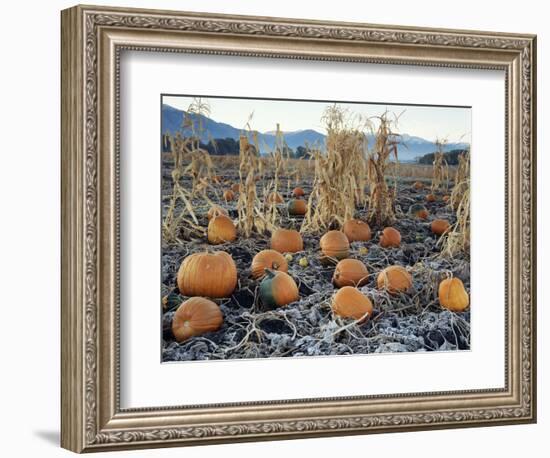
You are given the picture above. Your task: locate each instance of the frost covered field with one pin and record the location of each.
(408, 321)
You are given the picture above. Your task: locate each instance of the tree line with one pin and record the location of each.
(451, 157)
(230, 147)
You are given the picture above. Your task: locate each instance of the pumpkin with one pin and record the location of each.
(216, 210)
(453, 295)
(228, 195)
(349, 302)
(268, 259)
(445, 198)
(418, 185)
(440, 226)
(274, 198)
(277, 289)
(236, 187)
(350, 272)
(221, 229)
(394, 279)
(357, 230)
(334, 245)
(286, 241)
(207, 274)
(196, 316)
(419, 211)
(297, 207)
(390, 238)
(430, 198)
(298, 192)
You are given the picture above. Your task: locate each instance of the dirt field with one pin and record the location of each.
(403, 323)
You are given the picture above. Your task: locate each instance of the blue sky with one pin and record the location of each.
(429, 122)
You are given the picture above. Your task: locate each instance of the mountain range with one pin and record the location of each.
(172, 119)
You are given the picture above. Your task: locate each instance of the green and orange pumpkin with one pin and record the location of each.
(297, 207)
(418, 211)
(268, 259)
(277, 289)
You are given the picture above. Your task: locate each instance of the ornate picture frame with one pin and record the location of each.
(92, 41)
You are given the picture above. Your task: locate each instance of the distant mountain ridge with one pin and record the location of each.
(172, 119)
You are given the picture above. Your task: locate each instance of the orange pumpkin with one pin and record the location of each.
(350, 272)
(274, 198)
(277, 289)
(430, 198)
(419, 211)
(298, 192)
(221, 229)
(453, 295)
(334, 245)
(297, 207)
(394, 279)
(268, 259)
(418, 185)
(207, 274)
(390, 238)
(349, 302)
(196, 316)
(357, 230)
(440, 226)
(236, 187)
(216, 210)
(286, 241)
(228, 195)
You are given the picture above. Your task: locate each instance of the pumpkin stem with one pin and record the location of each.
(275, 266)
(270, 273)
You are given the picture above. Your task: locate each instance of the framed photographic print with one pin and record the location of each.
(278, 228)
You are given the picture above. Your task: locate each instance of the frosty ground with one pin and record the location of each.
(404, 323)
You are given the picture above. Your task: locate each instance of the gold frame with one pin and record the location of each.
(92, 40)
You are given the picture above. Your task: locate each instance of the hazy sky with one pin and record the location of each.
(429, 122)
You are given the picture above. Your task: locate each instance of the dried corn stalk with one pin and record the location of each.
(340, 173)
(248, 199)
(185, 149)
(382, 199)
(173, 220)
(440, 179)
(458, 238)
(277, 162)
(463, 169)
